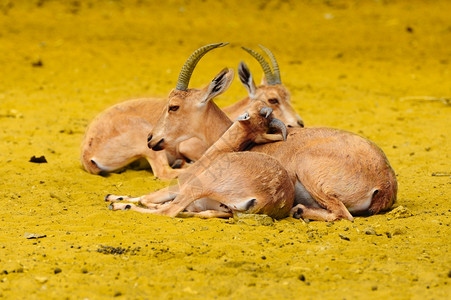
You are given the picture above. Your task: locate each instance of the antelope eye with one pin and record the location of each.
(273, 101)
(174, 107)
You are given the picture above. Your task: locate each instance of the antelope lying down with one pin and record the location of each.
(225, 181)
(117, 137)
(271, 91)
(337, 172)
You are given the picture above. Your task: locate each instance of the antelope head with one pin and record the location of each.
(188, 112)
(271, 91)
(260, 125)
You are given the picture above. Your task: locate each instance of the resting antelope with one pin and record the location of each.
(271, 91)
(337, 172)
(224, 181)
(117, 137)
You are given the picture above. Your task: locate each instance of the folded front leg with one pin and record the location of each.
(206, 214)
(314, 213)
(159, 197)
(115, 198)
(130, 206)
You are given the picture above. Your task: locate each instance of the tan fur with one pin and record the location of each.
(282, 110)
(190, 106)
(222, 181)
(275, 96)
(336, 171)
(118, 136)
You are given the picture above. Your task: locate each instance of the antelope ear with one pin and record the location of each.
(218, 85)
(246, 79)
(243, 117)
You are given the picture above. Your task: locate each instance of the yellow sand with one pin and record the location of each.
(349, 64)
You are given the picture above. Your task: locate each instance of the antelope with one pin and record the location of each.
(117, 137)
(337, 172)
(271, 90)
(224, 181)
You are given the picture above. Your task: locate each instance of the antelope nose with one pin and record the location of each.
(149, 138)
(300, 121)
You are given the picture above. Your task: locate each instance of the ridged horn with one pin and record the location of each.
(275, 65)
(265, 66)
(265, 112)
(190, 64)
(278, 126)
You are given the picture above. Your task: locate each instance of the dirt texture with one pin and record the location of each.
(377, 68)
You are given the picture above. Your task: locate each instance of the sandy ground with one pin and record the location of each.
(363, 66)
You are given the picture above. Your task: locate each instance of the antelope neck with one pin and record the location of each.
(233, 140)
(217, 122)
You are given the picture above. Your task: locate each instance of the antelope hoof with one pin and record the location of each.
(344, 216)
(298, 213)
(119, 206)
(113, 198)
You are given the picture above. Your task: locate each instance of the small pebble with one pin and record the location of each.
(39, 160)
(370, 231)
(57, 270)
(37, 63)
(30, 236)
(400, 212)
(344, 237)
(41, 279)
(301, 277)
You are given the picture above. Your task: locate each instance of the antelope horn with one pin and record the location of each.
(265, 112)
(278, 126)
(190, 64)
(275, 65)
(265, 66)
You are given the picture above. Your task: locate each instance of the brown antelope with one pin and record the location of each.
(271, 91)
(224, 181)
(337, 172)
(117, 137)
